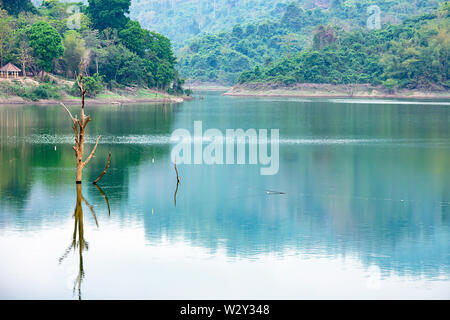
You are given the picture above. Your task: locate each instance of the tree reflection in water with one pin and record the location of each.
(175, 194)
(78, 241)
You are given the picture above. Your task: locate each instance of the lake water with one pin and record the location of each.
(365, 211)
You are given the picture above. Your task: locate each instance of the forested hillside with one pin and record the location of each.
(111, 49)
(222, 56)
(181, 20)
(412, 55)
(224, 41)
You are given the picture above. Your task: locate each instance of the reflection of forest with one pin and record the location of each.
(350, 201)
(386, 202)
(18, 157)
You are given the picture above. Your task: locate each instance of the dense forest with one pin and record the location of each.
(181, 20)
(98, 39)
(413, 55)
(285, 42)
(222, 56)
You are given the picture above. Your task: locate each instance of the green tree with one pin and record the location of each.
(237, 31)
(46, 44)
(23, 50)
(390, 84)
(112, 61)
(164, 75)
(133, 37)
(74, 51)
(132, 71)
(444, 10)
(323, 36)
(93, 85)
(160, 47)
(109, 13)
(6, 37)
(14, 7)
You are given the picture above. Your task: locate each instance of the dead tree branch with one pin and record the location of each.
(104, 171)
(92, 153)
(178, 183)
(70, 114)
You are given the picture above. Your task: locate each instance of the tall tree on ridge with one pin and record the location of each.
(14, 7)
(6, 38)
(46, 44)
(109, 13)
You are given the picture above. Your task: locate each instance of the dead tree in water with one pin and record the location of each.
(79, 128)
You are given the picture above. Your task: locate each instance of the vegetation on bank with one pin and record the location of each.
(58, 88)
(30, 92)
(223, 56)
(100, 41)
(411, 55)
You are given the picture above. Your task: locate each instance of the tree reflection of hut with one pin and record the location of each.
(9, 71)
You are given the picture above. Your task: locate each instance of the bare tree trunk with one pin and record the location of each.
(23, 70)
(79, 128)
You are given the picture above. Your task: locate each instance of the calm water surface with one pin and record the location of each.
(365, 214)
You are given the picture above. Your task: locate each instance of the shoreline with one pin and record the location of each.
(207, 86)
(210, 88)
(331, 91)
(127, 95)
(119, 101)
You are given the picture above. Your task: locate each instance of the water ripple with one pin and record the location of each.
(165, 139)
(390, 102)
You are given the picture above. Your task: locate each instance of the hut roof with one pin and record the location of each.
(10, 68)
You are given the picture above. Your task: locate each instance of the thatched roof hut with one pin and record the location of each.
(9, 71)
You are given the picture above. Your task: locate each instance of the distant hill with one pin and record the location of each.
(411, 55)
(222, 56)
(181, 20)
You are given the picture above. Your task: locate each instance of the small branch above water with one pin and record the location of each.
(104, 171)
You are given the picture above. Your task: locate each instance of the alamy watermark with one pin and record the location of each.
(374, 20)
(213, 147)
(74, 20)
